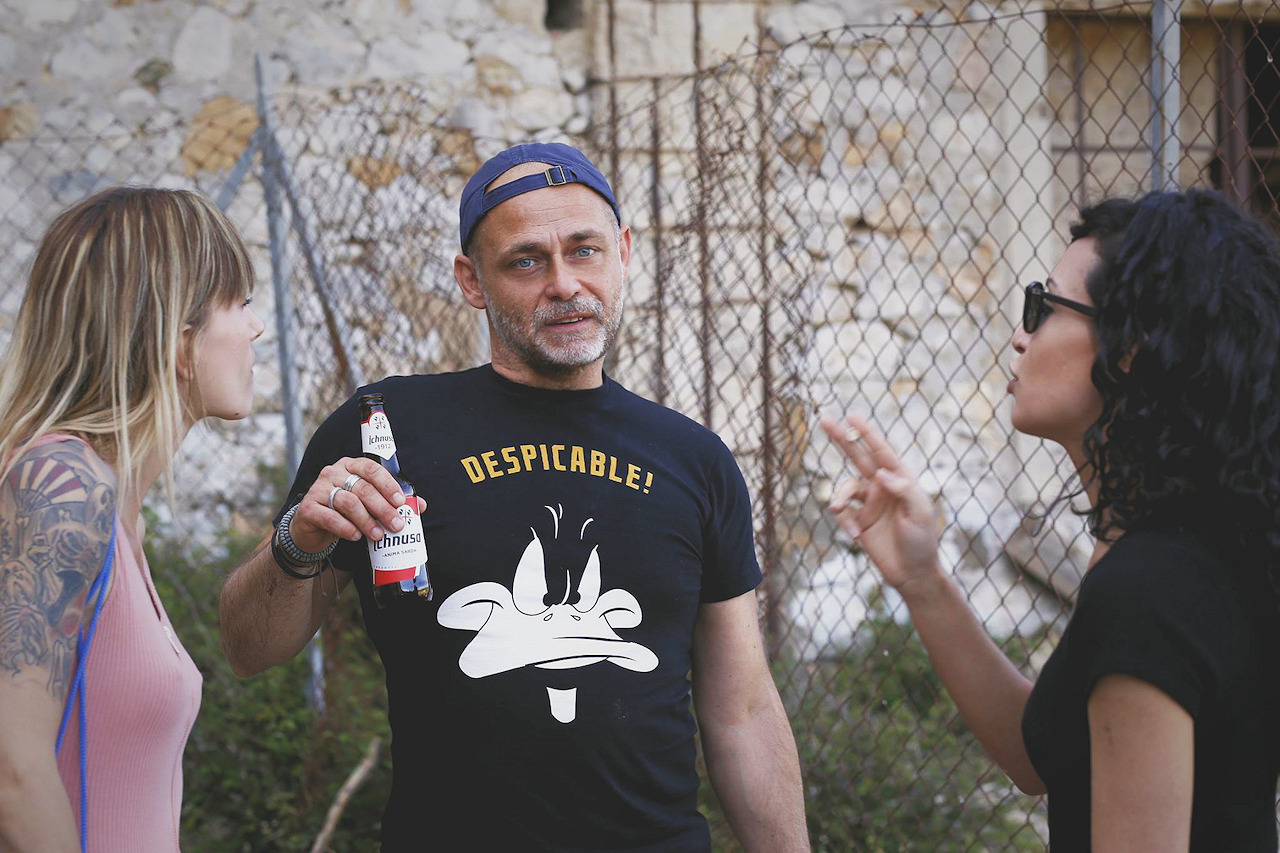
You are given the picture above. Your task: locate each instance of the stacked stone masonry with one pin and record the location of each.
(836, 214)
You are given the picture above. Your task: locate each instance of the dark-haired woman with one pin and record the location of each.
(1152, 355)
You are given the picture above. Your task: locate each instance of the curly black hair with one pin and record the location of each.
(1187, 290)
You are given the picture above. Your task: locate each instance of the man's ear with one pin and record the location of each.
(624, 248)
(464, 271)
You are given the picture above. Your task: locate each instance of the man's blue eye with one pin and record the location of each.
(524, 263)
(585, 251)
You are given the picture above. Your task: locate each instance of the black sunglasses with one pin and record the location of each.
(1035, 306)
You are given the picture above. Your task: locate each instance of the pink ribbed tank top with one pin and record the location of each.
(143, 694)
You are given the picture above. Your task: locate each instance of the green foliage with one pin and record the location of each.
(888, 765)
(261, 769)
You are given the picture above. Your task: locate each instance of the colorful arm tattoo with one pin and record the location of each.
(57, 507)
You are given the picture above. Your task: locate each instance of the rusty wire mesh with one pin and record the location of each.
(72, 155)
(375, 173)
(831, 227)
(839, 223)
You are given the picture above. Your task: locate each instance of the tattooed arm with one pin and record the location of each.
(57, 506)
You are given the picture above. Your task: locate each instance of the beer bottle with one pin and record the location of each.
(399, 559)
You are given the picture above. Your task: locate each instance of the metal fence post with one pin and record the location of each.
(701, 214)
(280, 275)
(660, 263)
(227, 192)
(1166, 54)
(314, 258)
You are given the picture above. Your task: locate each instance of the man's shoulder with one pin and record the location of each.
(678, 434)
(662, 416)
(416, 382)
(404, 397)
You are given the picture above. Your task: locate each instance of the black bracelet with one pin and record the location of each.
(290, 558)
(287, 566)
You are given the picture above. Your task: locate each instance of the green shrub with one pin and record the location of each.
(261, 768)
(888, 764)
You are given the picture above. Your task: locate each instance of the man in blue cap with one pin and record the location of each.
(555, 336)
(589, 549)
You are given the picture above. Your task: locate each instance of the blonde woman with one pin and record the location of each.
(135, 325)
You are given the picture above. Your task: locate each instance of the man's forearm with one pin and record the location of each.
(755, 771)
(266, 617)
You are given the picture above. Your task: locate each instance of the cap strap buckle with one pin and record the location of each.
(556, 172)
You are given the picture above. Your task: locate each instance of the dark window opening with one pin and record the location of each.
(1248, 166)
(1262, 77)
(565, 15)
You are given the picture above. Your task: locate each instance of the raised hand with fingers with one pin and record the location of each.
(883, 506)
(351, 498)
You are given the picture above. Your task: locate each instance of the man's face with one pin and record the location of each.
(550, 267)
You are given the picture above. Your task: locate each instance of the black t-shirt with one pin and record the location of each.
(541, 701)
(1188, 615)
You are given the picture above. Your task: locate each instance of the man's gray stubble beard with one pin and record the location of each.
(509, 331)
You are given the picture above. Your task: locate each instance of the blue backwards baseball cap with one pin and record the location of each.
(567, 165)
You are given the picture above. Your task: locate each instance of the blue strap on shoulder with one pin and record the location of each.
(97, 595)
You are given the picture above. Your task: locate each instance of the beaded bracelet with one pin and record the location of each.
(290, 558)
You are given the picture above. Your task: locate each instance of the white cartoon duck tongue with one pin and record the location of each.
(529, 590)
(564, 703)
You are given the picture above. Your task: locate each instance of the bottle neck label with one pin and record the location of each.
(396, 556)
(375, 436)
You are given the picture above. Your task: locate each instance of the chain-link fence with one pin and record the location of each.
(841, 221)
(844, 223)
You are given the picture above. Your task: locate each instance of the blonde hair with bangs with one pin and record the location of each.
(99, 337)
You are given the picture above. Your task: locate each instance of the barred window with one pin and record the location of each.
(1249, 120)
(1099, 91)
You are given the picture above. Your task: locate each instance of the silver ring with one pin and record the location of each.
(333, 492)
(351, 482)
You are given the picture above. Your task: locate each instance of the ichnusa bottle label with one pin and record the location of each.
(375, 436)
(396, 556)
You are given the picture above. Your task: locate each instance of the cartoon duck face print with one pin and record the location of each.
(517, 627)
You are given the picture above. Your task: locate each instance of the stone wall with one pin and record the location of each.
(98, 93)
(934, 173)
(163, 92)
(896, 175)
(838, 218)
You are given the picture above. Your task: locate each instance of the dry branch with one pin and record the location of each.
(354, 781)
